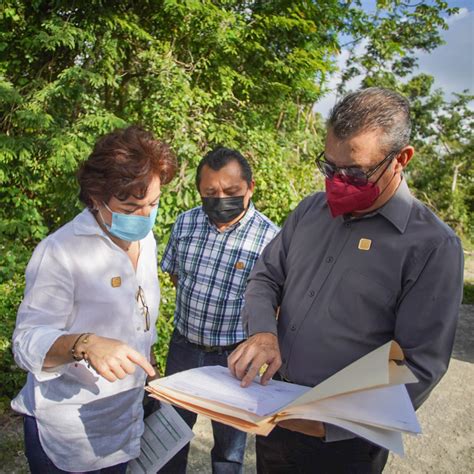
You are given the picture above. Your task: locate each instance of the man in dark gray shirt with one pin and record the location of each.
(354, 267)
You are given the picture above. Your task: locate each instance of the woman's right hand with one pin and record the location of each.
(111, 358)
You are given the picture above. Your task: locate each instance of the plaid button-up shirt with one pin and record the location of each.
(212, 269)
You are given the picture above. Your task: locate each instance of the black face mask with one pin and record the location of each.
(223, 210)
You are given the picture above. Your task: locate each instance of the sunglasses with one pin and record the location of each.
(350, 174)
(140, 297)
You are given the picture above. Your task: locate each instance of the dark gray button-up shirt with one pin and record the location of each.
(347, 286)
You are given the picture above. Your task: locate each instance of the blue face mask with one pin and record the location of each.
(129, 227)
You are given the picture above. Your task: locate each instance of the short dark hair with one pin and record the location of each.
(373, 108)
(220, 157)
(122, 164)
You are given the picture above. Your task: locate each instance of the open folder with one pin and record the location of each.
(368, 398)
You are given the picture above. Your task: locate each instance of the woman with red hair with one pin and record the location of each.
(86, 325)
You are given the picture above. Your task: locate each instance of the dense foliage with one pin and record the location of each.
(198, 73)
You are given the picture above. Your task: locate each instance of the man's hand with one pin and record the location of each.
(113, 359)
(246, 361)
(307, 427)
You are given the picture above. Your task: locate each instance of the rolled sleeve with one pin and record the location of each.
(45, 310)
(30, 348)
(427, 317)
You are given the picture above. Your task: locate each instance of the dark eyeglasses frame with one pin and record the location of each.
(347, 173)
(140, 297)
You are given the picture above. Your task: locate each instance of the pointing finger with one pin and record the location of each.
(141, 361)
(252, 370)
(249, 376)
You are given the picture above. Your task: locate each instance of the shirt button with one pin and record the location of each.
(311, 293)
(293, 327)
(347, 224)
(283, 360)
(138, 328)
(330, 259)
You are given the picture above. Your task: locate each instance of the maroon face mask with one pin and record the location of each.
(344, 198)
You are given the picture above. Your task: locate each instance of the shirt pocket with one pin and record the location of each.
(362, 304)
(238, 270)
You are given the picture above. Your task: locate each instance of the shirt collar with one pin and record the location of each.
(396, 210)
(398, 207)
(246, 218)
(85, 224)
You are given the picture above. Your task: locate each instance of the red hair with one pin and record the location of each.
(122, 164)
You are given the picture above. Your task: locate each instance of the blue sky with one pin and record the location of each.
(452, 65)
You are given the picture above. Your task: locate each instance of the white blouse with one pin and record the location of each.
(79, 281)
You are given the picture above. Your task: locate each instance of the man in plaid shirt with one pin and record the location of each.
(209, 256)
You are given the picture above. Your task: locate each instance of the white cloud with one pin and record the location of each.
(462, 13)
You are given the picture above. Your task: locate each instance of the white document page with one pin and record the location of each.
(388, 439)
(218, 384)
(165, 434)
(386, 407)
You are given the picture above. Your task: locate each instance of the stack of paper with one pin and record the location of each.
(368, 398)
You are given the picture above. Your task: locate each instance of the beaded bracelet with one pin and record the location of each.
(83, 354)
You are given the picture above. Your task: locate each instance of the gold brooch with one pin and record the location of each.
(364, 244)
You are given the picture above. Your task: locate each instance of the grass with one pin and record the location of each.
(468, 296)
(12, 459)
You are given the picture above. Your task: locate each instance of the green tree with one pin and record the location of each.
(442, 171)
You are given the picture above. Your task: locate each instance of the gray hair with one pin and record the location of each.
(370, 109)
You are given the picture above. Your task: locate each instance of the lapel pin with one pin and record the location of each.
(116, 282)
(364, 244)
